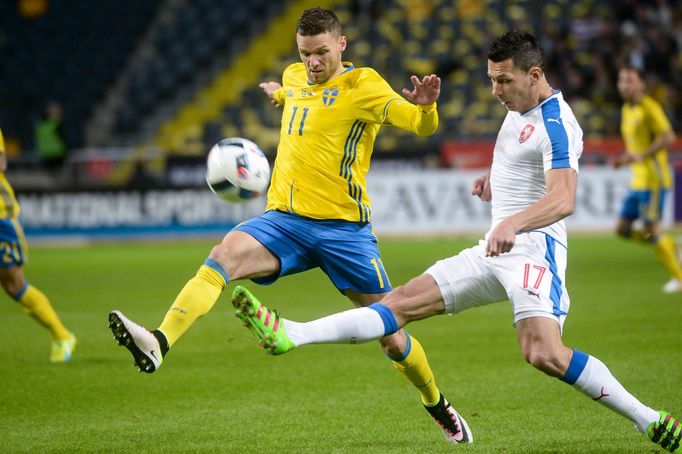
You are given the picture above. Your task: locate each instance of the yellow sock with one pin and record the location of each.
(415, 367)
(38, 306)
(195, 300)
(666, 252)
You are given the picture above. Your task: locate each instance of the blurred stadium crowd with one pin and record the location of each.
(178, 75)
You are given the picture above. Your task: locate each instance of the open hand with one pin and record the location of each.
(425, 92)
(269, 88)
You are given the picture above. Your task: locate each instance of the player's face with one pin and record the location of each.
(630, 85)
(512, 86)
(321, 55)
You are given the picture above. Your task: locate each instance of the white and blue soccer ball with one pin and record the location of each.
(237, 170)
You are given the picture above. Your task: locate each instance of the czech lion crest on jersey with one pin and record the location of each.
(526, 132)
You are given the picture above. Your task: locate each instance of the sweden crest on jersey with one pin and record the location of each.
(329, 96)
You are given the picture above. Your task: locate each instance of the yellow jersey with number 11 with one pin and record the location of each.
(327, 137)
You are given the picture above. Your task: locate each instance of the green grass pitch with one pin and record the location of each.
(218, 392)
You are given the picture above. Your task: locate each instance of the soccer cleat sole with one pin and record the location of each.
(667, 433)
(468, 435)
(123, 337)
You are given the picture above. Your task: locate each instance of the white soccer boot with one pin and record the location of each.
(673, 286)
(139, 340)
(454, 427)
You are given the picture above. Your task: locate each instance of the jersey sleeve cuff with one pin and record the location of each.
(279, 95)
(428, 108)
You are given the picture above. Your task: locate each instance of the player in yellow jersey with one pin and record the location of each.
(13, 254)
(647, 134)
(318, 212)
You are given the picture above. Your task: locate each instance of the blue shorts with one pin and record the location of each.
(644, 205)
(346, 251)
(13, 249)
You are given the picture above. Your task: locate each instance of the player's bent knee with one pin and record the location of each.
(624, 233)
(624, 230)
(544, 360)
(393, 345)
(12, 281)
(231, 259)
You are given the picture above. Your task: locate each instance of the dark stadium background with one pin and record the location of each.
(147, 86)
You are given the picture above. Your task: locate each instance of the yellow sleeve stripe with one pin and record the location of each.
(385, 113)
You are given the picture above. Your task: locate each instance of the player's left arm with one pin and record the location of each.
(558, 203)
(662, 140)
(658, 122)
(419, 115)
(425, 92)
(374, 100)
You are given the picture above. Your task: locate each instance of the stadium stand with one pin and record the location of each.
(181, 74)
(585, 42)
(70, 52)
(201, 38)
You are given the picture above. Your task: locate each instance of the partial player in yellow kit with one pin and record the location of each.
(318, 212)
(647, 134)
(13, 255)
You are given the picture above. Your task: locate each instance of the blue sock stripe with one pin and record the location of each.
(576, 366)
(408, 348)
(216, 266)
(390, 323)
(21, 292)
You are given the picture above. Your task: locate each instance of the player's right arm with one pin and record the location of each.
(274, 92)
(557, 204)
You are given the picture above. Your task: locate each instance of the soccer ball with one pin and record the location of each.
(237, 170)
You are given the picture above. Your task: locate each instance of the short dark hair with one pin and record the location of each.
(519, 45)
(315, 21)
(632, 68)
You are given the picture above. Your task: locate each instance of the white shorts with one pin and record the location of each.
(531, 276)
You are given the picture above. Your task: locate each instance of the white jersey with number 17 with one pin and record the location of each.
(528, 145)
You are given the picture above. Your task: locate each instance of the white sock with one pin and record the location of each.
(349, 327)
(597, 382)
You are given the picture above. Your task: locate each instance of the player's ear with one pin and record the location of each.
(343, 42)
(535, 74)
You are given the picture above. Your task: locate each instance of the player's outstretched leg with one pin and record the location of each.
(262, 322)
(455, 428)
(62, 349)
(141, 342)
(666, 432)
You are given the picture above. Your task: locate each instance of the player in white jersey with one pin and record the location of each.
(532, 185)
